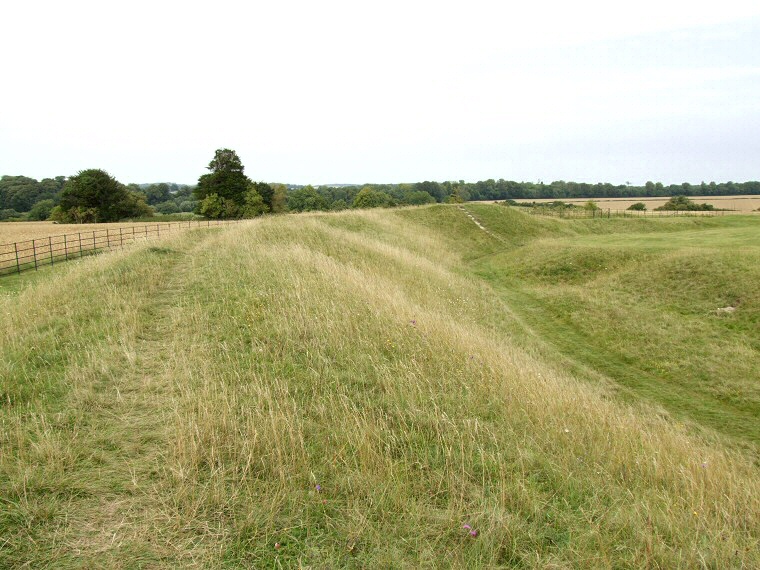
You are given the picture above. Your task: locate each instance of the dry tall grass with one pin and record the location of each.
(331, 391)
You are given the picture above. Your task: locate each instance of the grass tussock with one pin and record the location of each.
(338, 391)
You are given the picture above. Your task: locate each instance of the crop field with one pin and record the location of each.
(23, 231)
(744, 204)
(81, 240)
(398, 388)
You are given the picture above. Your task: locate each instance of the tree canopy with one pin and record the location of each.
(306, 199)
(369, 198)
(95, 196)
(226, 192)
(224, 187)
(21, 193)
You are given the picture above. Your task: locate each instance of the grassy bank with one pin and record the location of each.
(669, 309)
(346, 390)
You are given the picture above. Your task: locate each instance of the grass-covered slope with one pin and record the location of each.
(667, 309)
(342, 390)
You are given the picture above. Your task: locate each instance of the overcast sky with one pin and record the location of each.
(329, 92)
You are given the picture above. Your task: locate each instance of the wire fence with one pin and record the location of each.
(31, 254)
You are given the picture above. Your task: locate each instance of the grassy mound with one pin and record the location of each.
(346, 390)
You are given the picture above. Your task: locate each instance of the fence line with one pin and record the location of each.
(22, 256)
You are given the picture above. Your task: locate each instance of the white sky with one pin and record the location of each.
(396, 91)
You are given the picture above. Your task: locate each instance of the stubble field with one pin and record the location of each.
(22, 231)
(743, 204)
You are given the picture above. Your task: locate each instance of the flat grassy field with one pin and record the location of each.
(388, 389)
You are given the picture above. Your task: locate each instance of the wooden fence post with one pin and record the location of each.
(121, 238)
(34, 253)
(18, 266)
(80, 243)
(50, 247)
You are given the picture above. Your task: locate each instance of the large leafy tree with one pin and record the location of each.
(95, 195)
(226, 192)
(226, 178)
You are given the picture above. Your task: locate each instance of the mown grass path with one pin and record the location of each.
(81, 472)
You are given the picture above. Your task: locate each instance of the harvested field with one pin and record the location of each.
(23, 231)
(744, 204)
(31, 244)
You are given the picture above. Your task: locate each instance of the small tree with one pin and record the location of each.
(168, 207)
(682, 203)
(212, 206)
(41, 210)
(254, 203)
(9, 214)
(279, 199)
(265, 191)
(455, 197)
(640, 206)
(419, 197)
(369, 198)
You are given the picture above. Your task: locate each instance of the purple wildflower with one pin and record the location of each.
(466, 527)
(473, 533)
(318, 488)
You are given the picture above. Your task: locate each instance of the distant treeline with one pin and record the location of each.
(22, 197)
(338, 197)
(505, 189)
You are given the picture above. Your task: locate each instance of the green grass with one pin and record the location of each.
(638, 303)
(177, 404)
